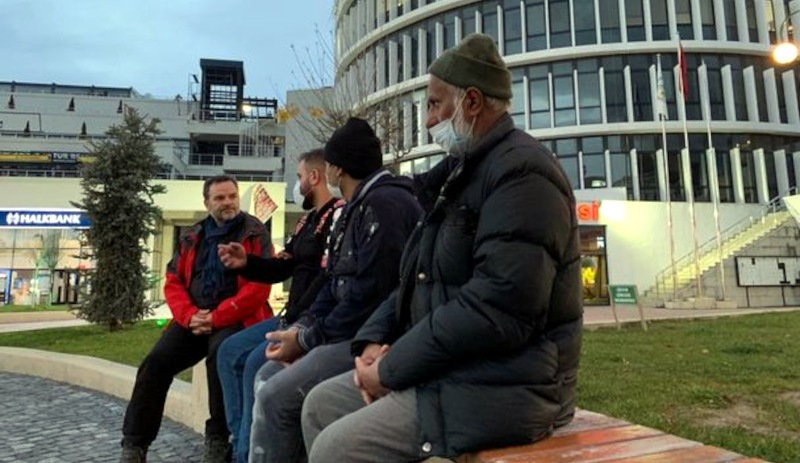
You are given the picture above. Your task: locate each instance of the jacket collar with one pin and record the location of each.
(502, 127)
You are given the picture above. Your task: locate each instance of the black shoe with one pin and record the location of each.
(217, 450)
(131, 454)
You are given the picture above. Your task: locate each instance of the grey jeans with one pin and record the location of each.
(339, 427)
(275, 436)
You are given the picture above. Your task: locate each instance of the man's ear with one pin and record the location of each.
(474, 101)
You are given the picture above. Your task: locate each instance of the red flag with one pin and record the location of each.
(684, 78)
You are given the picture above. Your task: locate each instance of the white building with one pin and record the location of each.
(214, 129)
(584, 76)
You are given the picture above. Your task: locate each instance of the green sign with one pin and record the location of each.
(623, 294)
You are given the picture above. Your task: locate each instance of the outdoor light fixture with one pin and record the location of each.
(786, 51)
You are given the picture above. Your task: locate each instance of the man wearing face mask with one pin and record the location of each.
(479, 345)
(363, 254)
(241, 355)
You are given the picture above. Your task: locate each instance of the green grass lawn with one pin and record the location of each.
(33, 308)
(732, 382)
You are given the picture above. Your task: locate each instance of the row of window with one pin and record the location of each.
(586, 165)
(531, 25)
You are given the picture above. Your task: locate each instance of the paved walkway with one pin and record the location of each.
(44, 421)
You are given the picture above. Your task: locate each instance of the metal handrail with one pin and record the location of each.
(774, 205)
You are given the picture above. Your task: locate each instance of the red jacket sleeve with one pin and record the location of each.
(251, 297)
(176, 292)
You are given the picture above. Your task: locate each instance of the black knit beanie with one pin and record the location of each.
(355, 148)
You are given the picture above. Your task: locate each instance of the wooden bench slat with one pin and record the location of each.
(597, 453)
(702, 454)
(585, 420)
(575, 440)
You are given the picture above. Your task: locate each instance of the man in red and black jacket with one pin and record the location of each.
(209, 303)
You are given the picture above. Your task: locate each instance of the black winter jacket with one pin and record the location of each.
(486, 323)
(365, 246)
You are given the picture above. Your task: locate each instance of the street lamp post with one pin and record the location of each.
(785, 52)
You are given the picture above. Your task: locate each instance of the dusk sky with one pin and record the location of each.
(153, 45)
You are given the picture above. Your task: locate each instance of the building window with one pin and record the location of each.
(537, 32)
(563, 94)
(752, 24)
(731, 29)
(489, 22)
(640, 87)
(468, 21)
(585, 30)
(708, 21)
(634, 17)
(566, 150)
(609, 22)
(560, 34)
(616, 100)
(648, 172)
(594, 162)
(539, 95)
(449, 29)
(748, 174)
(683, 16)
(512, 27)
(621, 173)
(589, 92)
(518, 98)
(430, 41)
(715, 95)
(414, 53)
(658, 12)
(697, 163)
(693, 110)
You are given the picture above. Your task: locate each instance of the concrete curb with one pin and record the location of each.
(186, 402)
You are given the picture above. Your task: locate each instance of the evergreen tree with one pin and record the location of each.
(118, 198)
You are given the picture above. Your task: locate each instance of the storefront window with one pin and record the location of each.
(40, 266)
(594, 268)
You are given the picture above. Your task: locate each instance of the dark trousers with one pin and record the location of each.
(177, 350)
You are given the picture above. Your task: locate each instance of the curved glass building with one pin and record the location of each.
(586, 83)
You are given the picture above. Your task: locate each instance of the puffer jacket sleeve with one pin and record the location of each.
(380, 328)
(523, 225)
(175, 290)
(251, 296)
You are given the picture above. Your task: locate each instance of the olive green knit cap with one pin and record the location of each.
(475, 62)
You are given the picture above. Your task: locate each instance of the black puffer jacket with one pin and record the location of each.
(486, 323)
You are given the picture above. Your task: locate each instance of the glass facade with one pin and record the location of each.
(585, 82)
(40, 266)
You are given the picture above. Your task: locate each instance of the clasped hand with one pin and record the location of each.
(283, 346)
(200, 323)
(367, 376)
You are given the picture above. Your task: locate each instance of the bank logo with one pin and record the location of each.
(44, 219)
(12, 218)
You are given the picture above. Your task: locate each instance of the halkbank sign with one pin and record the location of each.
(43, 218)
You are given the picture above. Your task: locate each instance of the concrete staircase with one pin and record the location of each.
(679, 291)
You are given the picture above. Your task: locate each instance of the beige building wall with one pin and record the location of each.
(182, 205)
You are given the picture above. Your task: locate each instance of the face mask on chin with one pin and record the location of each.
(447, 135)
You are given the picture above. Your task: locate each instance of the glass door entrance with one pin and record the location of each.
(594, 267)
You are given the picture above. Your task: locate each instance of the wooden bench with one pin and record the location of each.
(592, 437)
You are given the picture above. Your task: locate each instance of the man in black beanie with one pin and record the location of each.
(362, 269)
(479, 345)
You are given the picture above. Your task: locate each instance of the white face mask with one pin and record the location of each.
(446, 135)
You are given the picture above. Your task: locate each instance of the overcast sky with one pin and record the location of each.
(153, 45)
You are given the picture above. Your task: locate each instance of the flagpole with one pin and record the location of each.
(687, 168)
(662, 116)
(711, 158)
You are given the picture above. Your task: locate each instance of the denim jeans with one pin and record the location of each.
(238, 360)
(276, 435)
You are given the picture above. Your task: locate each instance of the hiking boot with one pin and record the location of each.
(131, 454)
(216, 450)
